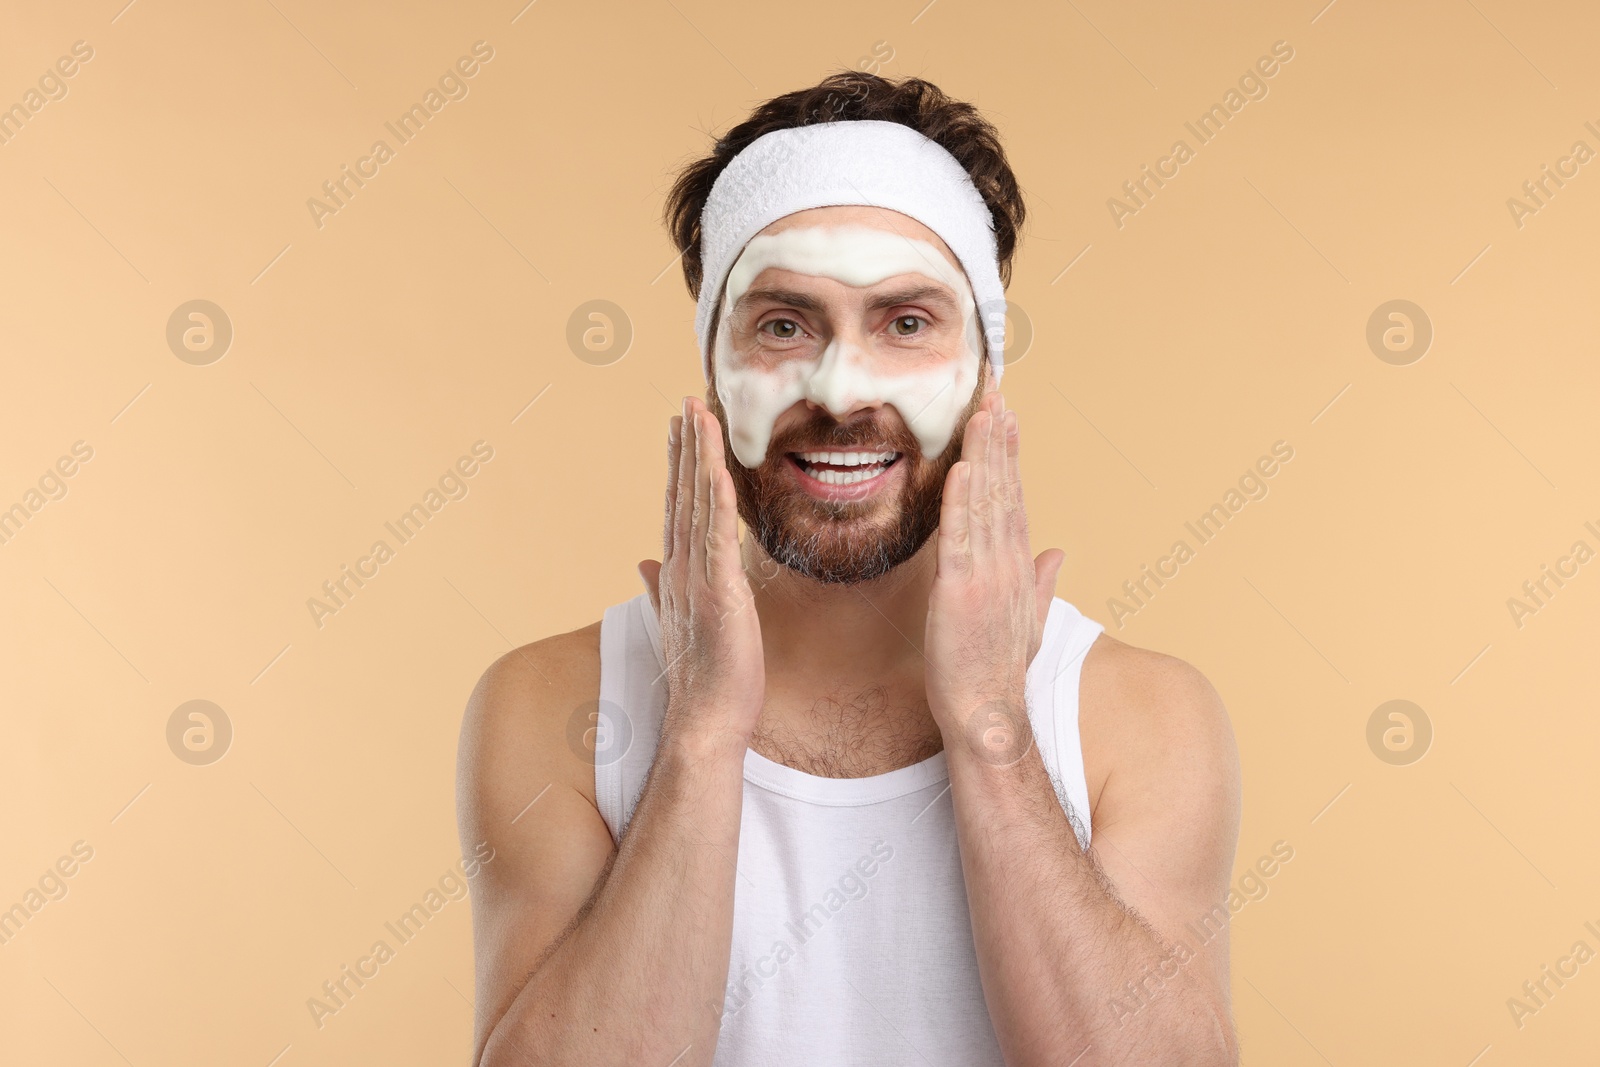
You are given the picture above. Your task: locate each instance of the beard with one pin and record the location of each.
(843, 542)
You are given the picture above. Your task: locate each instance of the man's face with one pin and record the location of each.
(847, 359)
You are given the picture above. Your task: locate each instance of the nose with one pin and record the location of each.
(842, 384)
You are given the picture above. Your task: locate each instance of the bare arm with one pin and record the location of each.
(585, 953)
(1092, 952)
(1065, 949)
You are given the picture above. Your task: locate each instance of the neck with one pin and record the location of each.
(836, 633)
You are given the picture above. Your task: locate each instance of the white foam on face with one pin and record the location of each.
(928, 388)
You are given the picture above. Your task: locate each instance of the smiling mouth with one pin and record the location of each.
(844, 468)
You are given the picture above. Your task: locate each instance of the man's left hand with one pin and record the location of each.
(990, 597)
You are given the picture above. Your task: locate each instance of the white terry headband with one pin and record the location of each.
(858, 161)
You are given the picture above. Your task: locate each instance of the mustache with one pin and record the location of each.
(823, 433)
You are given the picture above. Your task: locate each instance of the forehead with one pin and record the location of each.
(877, 218)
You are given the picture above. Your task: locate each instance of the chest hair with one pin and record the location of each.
(852, 736)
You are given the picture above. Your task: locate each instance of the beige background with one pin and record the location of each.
(1229, 313)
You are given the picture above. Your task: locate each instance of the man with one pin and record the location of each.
(839, 802)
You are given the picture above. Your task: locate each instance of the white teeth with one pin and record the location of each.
(863, 465)
(848, 459)
(831, 477)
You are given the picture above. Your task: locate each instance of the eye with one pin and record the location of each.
(906, 319)
(779, 325)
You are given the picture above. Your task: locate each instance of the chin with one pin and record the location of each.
(840, 542)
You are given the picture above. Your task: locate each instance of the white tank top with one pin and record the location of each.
(852, 943)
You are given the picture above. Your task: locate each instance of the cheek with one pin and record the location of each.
(753, 399)
(931, 403)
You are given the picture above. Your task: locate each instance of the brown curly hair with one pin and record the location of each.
(850, 95)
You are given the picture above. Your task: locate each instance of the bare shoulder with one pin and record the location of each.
(1147, 715)
(520, 711)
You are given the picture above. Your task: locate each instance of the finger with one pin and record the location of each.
(713, 465)
(980, 517)
(724, 505)
(1017, 517)
(698, 512)
(650, 574)
(1045, 569)
(997, 460)
(723, 551)
(712, 477)
(683, 512)
(1013, 444)
(955, 544)
(668, 523)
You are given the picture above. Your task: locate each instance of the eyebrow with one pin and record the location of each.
(925, 294)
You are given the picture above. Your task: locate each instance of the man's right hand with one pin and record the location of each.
(710, 633)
